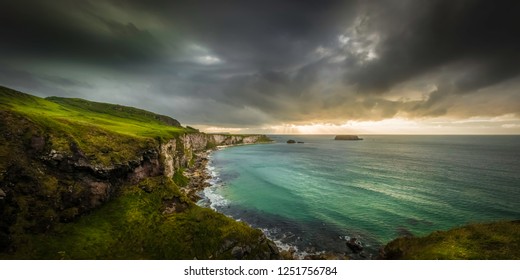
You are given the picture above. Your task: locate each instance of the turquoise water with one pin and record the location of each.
(314, 194)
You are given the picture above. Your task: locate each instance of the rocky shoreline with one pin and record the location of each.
(199, 176)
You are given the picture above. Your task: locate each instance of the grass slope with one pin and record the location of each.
(58, 112)
(498, 241)
(134, 226)
(108, 134)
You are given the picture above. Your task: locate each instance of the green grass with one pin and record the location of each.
(180, 179)
(60, 113)
(134, 226)
(499, 241)
(107, 134)
(264, 139)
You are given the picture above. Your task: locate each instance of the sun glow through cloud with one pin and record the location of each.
(507, 124)
(208, 59)
(371, 67)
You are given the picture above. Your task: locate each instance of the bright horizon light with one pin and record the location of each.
(507, 124)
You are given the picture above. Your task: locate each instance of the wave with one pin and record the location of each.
(210, 196)
(279, 237)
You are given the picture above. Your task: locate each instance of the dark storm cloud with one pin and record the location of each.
(269, 62)
(74, 31)
(39, 84)
(266, 33)
(418, 36)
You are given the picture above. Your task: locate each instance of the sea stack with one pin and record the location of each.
(347, 137)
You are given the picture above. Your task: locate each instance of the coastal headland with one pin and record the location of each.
(88, 180)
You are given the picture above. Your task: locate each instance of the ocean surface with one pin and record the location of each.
(312, 196)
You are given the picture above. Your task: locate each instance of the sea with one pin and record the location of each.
(313, 196)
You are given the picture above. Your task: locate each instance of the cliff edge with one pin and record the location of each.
(88, 180)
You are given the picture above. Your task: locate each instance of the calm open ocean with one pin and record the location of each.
(314, 194)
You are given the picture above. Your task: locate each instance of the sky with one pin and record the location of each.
(277, 66)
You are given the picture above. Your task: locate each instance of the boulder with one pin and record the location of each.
(239, 252)
(291, 141)
(354, 245)
(272, 247)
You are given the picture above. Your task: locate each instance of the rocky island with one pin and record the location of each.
(347, 137)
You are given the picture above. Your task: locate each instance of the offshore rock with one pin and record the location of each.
(347, 137)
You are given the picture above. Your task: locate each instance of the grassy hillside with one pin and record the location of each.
(499, 241)
(55, 112)
(109, 134)
(82, 180)
(138, 225)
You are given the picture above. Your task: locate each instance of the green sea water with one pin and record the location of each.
(314, 195)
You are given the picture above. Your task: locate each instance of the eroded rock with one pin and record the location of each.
(38, 143)
(354, 245)
(174, 205)
(99, 192)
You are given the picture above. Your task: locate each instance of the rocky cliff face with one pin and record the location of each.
(83, 180)
(179, 153)
(41, 186)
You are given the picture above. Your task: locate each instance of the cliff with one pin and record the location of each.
(87, 180)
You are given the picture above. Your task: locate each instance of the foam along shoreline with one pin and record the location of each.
(205, 186)
(198, 175)
(209, 198)
(202, 178)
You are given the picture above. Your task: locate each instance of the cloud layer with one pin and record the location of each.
(261, 63)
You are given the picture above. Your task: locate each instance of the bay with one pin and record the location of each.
(312, 196)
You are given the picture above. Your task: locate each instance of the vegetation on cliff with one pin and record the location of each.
(498, 241)
(88, 180)
(149, 220)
